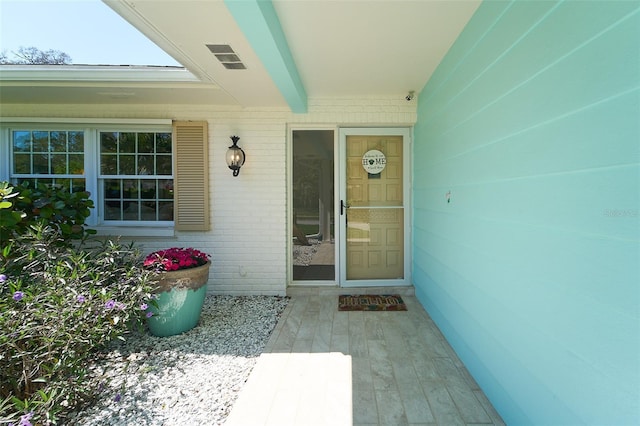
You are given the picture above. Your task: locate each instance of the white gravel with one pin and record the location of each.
(189, 379)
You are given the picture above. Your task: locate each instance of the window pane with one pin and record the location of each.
(148, 189)
(145, 165)
(108, 164)
(112, 189)
(149, 210)
(163, 142)
(130, 189)
(145, 142)
(41, 164)
(21, 141)
(59, 164)
(127, 165)
(130, 211)
(21, 163)
(127, 142)
(109, 142)
(163, 163)
(41, 141)
(76, 141)
(78, 185)
(76, 164)
(113, 210)
(165, 210)
(58, 141)
(166, 189)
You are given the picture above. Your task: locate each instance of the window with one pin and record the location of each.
(133, 169)
(136, 177)
(131, 175)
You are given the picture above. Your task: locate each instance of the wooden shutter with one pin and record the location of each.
(191, 176)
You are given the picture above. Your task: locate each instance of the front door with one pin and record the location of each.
(374, 243)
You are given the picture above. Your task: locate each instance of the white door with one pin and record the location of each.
(374, 211)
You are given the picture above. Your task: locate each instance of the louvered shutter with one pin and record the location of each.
(191, 176)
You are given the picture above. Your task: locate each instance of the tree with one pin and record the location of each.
(34, 56)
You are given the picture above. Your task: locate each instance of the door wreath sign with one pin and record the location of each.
(374, 161)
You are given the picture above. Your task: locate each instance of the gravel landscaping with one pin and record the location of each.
(189, 379)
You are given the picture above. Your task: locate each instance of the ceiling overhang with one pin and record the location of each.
(289, 51)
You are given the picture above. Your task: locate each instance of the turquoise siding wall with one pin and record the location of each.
(526, 191)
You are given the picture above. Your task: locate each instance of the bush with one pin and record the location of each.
(60, 306)
(22, 206)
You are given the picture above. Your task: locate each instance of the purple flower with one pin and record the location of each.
(144, 307)
(81, 298)
(117, 397)
(3, 278)
(149, 314)
(110, 304)
(18, 295)
(24, 420)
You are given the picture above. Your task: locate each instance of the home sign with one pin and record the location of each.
(374, 161)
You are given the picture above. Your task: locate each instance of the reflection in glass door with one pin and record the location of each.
(312, 201)
(373, 207)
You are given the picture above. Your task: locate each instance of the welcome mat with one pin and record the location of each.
(371, 302)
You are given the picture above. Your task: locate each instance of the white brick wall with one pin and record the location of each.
(248, 239)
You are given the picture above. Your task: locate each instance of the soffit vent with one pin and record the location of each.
(227, 57)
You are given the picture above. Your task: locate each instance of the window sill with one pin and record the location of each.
(134, 231)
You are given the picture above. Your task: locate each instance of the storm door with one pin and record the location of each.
(374, 211)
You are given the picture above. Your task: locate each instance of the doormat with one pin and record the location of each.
(371, 302)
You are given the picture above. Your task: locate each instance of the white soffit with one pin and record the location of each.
(368, 47)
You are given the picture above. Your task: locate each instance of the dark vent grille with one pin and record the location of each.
(220, 48)
(234, 66)
(227, 57)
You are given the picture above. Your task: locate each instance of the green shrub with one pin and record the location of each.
(59, 306)
(22, 206)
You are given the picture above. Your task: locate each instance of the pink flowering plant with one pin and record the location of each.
(175, 259)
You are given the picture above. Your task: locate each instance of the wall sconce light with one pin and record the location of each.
(235, 156)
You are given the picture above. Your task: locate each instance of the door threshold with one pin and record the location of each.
(335, 290)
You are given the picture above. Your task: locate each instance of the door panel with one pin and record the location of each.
(374, 219)
(312, 244)
(375, 240)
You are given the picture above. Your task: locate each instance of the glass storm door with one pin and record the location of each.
(373, 207)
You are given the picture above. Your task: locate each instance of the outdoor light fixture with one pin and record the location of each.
(235, 156)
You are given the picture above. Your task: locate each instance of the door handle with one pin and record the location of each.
(343, 207)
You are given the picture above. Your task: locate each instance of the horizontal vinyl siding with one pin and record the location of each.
(530, 127)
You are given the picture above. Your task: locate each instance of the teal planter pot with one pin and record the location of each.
(180, 298)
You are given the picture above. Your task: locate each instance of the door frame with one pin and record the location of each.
(340, 185)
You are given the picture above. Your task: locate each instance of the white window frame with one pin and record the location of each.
(92, 129)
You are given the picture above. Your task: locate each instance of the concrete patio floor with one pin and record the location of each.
(325, 367)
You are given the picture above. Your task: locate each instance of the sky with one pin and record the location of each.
(87, 30)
